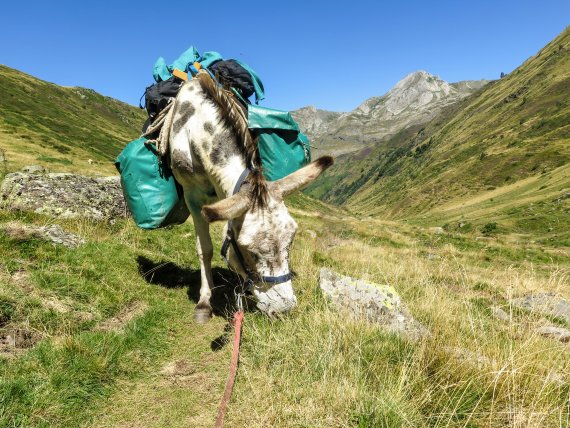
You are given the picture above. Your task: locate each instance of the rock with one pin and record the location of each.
(565, 195)
(553, 332)
(415, 99)
(314, 121)
(432, 256)
(373, 302)
(53, 233)
(63, 195)
(500, 314)
(437, 230)
(34, 169)
(57, 235)
(470, 357)
(544, 303)
(311, 233)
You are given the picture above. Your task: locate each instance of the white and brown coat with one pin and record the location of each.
(207, 158)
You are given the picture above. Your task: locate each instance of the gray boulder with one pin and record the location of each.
(553, 332)
(63, 195)
(34, 169)
(500, 314)
(52, 233)
(376, 303)
(546, 304)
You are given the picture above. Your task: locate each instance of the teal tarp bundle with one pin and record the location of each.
(162, 71)
(153, 196)
(282, 146)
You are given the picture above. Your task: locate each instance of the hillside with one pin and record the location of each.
(102, 335)
(513, 134)
(106, 336)
(414, 100)
(313, 121)
(61, 128)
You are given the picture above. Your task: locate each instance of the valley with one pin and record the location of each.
(459, 200)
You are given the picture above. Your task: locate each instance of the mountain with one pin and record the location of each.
(43, 123)
(314, 122)
(497, 152)
(415, 99)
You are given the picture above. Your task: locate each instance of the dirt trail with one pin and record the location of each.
(182, 391)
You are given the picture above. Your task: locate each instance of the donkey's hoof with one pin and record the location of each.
(202, 315)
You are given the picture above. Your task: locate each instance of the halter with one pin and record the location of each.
(232, 240)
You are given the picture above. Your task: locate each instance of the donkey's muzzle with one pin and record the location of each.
(276, 299)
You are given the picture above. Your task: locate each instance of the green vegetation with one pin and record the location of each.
(102, 335)
(109, 338)
(40, 122)
(510, 139)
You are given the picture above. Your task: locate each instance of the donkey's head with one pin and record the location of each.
(263, 231)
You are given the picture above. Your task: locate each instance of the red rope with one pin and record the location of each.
(238, 318)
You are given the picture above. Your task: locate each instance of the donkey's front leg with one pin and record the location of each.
(203, 311)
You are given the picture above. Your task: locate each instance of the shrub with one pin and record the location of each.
(489, 229)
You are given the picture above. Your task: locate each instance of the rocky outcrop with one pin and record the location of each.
(414, 100)
(550, 305)
(52, 233)
(314, 122)
(376, 303)
(545, 304)
(554, 332)
(63, 195)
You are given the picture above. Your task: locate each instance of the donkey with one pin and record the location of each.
(215, 170)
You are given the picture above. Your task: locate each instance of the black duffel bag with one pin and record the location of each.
(230, 74)
(157, 97)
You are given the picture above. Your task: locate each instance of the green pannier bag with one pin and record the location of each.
(154, 198)
(282, 146)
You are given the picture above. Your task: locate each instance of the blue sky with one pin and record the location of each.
(330, 54)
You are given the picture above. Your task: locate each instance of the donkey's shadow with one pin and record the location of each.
(170, 275)
(223, 300)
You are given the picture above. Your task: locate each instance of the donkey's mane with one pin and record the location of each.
(236, 117)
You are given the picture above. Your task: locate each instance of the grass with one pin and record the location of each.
(513, 133)
(42, 123)
(104, 333)
(313, 368)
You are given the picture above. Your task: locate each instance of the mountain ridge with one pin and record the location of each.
(415, 99)
(513, 129)
(47, 124)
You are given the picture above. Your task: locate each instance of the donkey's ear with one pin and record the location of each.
(228, 208)
(302, 177)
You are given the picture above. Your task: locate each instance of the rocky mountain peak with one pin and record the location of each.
(415, 99)
(314, 121)
(413, 92)
(417, 77)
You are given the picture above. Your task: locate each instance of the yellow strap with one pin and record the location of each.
(180, 74)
